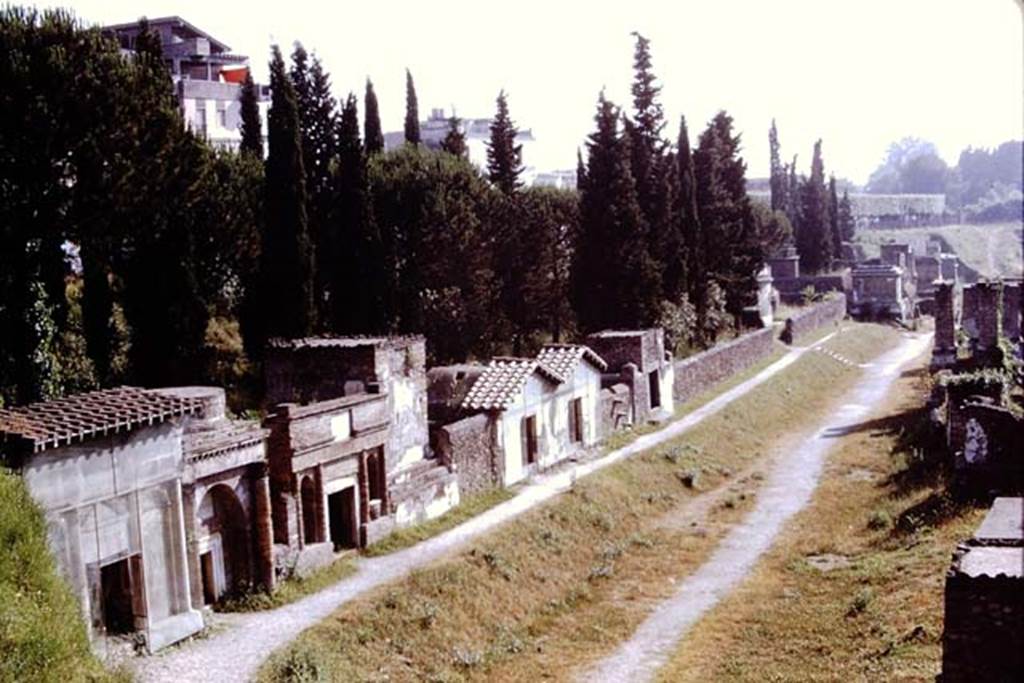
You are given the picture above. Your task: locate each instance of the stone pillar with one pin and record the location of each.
(944, 349)
(969, 313)
(988, 316)
(188, 504)
(263, 534)
(631, 378)
(321, 504)
(1011, 310)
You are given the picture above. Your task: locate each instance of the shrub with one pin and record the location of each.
(879, 519)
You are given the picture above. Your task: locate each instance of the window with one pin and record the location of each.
(222, 114)
(529, 429)
(576, 420)
(200, 119)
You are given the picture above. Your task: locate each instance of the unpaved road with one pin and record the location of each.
(786, 490)
(244, 641)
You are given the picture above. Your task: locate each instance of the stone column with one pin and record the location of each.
(188, 504)
(263, 541)
(988, 316)
(944, 349)
(637, 392)
(1011, 310)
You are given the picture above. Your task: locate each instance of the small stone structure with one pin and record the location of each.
(900, 255)
(106, 468)
(639, 360)
(784, 268)
(983, 636)
(944, 310)
(226, 499)
(880, 290)
(785, 264)
(349, 446)
(538, 413)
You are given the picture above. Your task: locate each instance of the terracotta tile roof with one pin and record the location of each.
(72, 419)
(562, 358)
(502, 381)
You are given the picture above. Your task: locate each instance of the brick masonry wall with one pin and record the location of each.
(820, 314)
(984, 628)
(696, 374)
(466, 445)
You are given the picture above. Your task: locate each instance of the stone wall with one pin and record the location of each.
(696, 374)
(466, 446)
(791, 289)
(823, 313)
(615, 411)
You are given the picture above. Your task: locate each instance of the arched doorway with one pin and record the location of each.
(223, 543)
(310, 519)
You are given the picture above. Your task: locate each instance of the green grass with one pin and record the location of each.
(467, 509)
(42, 636)
(558, 586)
(883, 510)
(988, 251)
(291, 589)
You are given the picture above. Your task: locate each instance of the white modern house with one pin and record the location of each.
(207, 77)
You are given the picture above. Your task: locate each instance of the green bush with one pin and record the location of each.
(42, 636)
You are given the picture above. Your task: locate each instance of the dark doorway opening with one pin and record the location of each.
(655, 388)
(116, 586)
(529, 427)
(209, 582)
(341, 512)
(310, 524)
(576, 420)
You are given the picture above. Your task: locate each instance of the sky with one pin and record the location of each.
(858, 75)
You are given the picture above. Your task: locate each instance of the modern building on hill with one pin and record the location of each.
(207, 77)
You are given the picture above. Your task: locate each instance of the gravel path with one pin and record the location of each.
(244, 641)
(787, 489)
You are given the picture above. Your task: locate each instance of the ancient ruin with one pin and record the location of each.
(983, 637)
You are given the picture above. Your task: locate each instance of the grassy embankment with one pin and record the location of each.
(988, 251)
(853, 588)
(42, 636)
(560, 585)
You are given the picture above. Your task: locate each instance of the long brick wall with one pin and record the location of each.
(698, 373)
(822, 313)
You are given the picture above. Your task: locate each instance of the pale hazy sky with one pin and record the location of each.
(857, 74)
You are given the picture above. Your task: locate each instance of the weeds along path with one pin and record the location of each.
(243, 642)
(786, 490)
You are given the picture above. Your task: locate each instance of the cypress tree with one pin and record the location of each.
(777, 180)
(845, 218)
(833, 218)
(286, 263)
(504, 156)
(373, 134)
(252, 128)
(412, 112)
(356, 260)
(814, 239)
(581, 171)
(689, 220)
(615, 282)
(455, 140)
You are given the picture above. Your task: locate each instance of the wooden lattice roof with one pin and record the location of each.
(49, 424)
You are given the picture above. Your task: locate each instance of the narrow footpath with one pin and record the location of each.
(787, 489)
(236, 652)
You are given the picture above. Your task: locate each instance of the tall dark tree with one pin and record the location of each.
(373, 135)
(732, 254)
(778, 182)
(355, 264)
(833, 218)
(814, 240)
(615, 281)
(252, 128)
(286, 258)
(793, 205)
(455, 140)
(412, 111)
(845, 218)
(688, 220)
(504, 156)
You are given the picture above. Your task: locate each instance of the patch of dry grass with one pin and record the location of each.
(881, 507)
(560, 585)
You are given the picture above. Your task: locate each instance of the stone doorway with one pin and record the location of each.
(119, 596)
(654, 384)
(224, 544)
(341, 511)
(310, 522)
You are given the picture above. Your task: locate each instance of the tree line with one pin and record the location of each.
(821, 219)
(134, 252)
